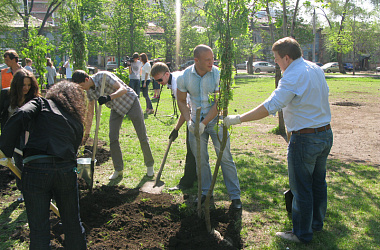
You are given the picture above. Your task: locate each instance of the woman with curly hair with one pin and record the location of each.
(56, 131)
(23, 88)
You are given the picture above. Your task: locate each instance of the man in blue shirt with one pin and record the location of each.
(199, 81)
(302, 94)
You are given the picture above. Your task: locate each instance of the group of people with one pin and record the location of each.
(47, 131)
(49, 153)
(140, 78)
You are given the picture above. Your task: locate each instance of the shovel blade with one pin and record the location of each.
(152, 188)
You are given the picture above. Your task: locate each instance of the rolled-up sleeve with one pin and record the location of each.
(279, 98)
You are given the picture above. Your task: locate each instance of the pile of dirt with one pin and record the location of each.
(102, 154)
(116, 217)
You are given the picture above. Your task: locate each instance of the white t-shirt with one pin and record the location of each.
(27, 67)
(135, 68)
(146, 69)
(69, 70)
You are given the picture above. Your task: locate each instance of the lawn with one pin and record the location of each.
(353, 217)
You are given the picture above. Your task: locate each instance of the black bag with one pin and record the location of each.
(288, 200)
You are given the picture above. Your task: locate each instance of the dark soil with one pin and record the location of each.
(116, 217)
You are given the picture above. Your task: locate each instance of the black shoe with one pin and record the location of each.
(203, 198)
(178, 187)
(236, 204)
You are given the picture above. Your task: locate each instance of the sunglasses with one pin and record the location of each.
(159, 80)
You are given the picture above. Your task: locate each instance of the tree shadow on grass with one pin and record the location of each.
(11, 229)
(353, 198)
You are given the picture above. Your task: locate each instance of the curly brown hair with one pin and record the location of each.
(70, 97)
(16, 93)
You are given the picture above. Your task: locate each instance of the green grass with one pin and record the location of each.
(353, 217)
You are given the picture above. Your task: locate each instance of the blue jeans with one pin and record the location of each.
(307, 156)
(42, 180)
(135, 85)
(228, 166)
(146, 94)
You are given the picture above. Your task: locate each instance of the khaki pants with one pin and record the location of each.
(137, 117)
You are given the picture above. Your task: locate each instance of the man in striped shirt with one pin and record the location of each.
(122, 100)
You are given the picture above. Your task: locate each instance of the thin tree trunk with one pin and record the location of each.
(285, 19)
(294, 19)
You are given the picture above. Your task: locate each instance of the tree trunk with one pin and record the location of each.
(341, 27)
(294, 19)
(285, 19)
(131, 31)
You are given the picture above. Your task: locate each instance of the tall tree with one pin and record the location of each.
(77, 31)
(294, 18)
(164, 16)
(37, 48)
(229, 19)
(24, 8)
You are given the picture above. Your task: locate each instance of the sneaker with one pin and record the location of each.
(115, 175)
(203, 198)
(149, 171)
(20, 199)
(178, 187)
(236, 204)
(289, 235)
(150, 111)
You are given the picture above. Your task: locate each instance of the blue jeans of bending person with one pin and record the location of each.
(42, 180)
(227, 164)
(135, 85)
(307, 156)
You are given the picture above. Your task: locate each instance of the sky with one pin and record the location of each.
(365, 4)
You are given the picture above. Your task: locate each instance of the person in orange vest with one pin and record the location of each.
(11, 60)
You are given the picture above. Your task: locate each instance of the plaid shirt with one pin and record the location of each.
(121, 104)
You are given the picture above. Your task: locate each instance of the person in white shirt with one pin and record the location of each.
(161, 73)
(51, 74)
(69, 69)
(134, 73)
(145, 80)
(302, 94)
(28, 65)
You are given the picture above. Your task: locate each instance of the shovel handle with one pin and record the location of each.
(98, 109)
(7, 162)
(163, 162)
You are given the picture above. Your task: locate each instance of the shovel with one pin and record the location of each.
(98, 110)
(155, 187)
(7, 162)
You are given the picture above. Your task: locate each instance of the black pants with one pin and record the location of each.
(190, 175)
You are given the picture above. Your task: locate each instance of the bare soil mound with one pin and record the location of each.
(116, 217)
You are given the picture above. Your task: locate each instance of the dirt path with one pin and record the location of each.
(356, 128)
